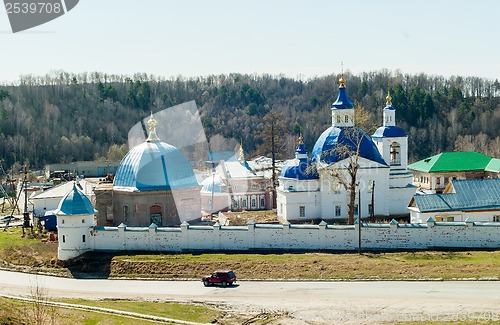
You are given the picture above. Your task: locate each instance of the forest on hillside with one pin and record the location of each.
(65, 117)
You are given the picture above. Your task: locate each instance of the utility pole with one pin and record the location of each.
(26, 214)
(273, 155)
(359, 220)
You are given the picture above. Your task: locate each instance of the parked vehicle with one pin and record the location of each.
(220, 277)
(9, 218)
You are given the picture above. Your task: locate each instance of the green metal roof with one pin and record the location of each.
(452, 162)
(493, 166)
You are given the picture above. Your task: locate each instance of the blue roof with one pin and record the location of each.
(389, 132)
(324, 149)
(301, 149)
(470, 194)
(154, 166)
(389, 108)
(342, 101)
(301, 169)
(75, 202)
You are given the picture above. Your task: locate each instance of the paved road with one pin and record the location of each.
(316, 302)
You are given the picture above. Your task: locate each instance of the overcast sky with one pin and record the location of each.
(295, 37)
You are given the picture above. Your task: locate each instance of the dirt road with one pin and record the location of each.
(314, 302)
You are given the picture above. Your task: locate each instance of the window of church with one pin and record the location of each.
(235, 204)
(346, 118)
(302, 211)
(64, 238)
(244, 203)
(338, 211)
(371, 184)
(395, 153)
(356, 210)
(262, 202)
(496, 218)
(62, 221)
(338, 119)
(83, 220)
(254, 203)
(83, 238)
(155, 214)
(125, 213)
(438, 180)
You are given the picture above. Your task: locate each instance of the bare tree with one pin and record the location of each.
(344, 171)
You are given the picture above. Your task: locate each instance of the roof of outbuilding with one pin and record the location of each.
(469, 194)
(493, 165)
(452, 162)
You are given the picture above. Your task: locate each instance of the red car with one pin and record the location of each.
(220, 277)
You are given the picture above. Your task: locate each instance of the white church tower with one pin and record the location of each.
(75, 218)
(392, 143)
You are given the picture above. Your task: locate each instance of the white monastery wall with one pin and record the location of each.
(285, 237)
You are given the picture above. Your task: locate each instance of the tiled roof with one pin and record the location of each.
(452, 162)
(469, 194)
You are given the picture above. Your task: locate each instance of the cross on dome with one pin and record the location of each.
(153, 137)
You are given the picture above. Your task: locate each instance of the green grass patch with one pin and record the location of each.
(315, 266)
(185, 312)
(15, 312)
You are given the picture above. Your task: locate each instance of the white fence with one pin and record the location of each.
(289, 237)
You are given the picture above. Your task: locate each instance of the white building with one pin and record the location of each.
(308, 191)
(463, 200)
(235, 186)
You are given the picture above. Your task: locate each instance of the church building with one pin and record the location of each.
(312, 188)
(154, 184)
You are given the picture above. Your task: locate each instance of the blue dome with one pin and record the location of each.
(75, 202)
(389, 132)
(342, 101)
(154, 166)
(324, 149)
(301, 169)
(389, 108)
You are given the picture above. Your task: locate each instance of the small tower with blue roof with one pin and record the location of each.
(298, 191)
(391, 140)
(75, 219)
(342, 108)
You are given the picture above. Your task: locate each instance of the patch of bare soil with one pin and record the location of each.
(241, 218)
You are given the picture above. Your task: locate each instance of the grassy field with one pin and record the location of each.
(316, 266)
(17, 312)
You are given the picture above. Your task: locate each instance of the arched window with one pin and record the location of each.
(254, 203)
(395, 154)
(155, 214)
(262, 202)
(346, 118)
(125, 213)
(338, 119)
